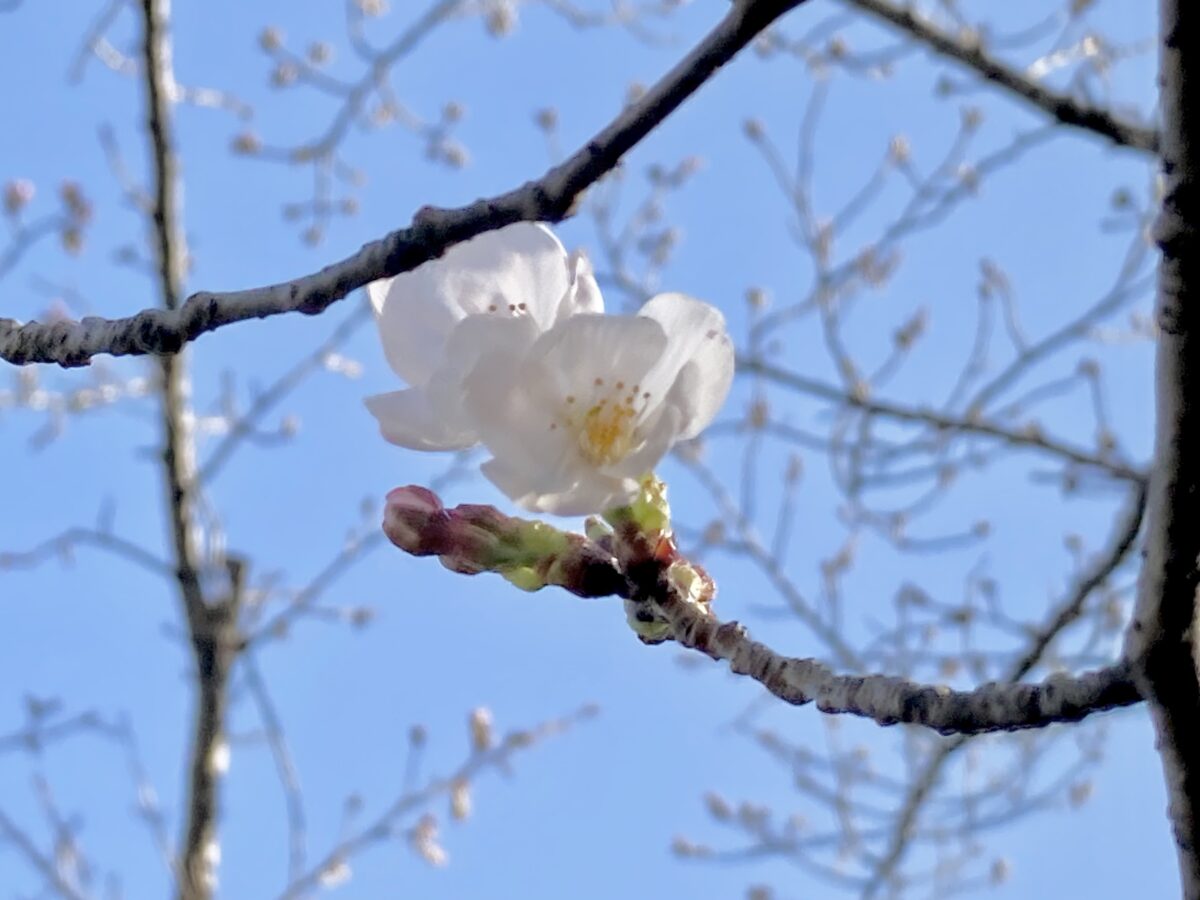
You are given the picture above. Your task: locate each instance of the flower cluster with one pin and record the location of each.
(504, 342)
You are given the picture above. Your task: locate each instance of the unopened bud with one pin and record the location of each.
(270, 39)
(480, 724)
(472, 538)
(18, 194)
(501, 19)
(247, 143)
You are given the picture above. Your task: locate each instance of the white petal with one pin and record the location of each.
(583, 296)
(517, 484)
(592, 492)
(521, 409)
(472, 339)
(406, 418)
(588, 496)
(516, 426)
(412, 329)
(517, 270)
(697, 366)
(585, 348)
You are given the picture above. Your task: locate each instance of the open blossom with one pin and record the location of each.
(503, 342)
(498, 290)
(574, 419)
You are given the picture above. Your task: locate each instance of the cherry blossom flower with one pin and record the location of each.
(574, 418)
(497, 291)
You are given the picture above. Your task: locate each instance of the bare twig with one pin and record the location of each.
(1062, 107)
(386, 824)
(285, 766)
(62, 545)
(1119, 549)
(941, 422)
(244, 425)
(43, 863)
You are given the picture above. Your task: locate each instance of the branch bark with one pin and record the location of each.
(1120, 546)
(1162, 637)
(212, 625)
(638, 566)
(1059, 106)
(551, 198)
(889, 700)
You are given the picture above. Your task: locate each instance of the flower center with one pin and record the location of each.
(606, 435)
(607, 432)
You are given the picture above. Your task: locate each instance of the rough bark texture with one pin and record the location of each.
(889, 700)
(1161, 640)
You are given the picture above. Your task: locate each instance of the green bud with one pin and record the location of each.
(523, 577)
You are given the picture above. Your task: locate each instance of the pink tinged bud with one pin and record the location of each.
(17, 195)
(471, 538)
(409, 516)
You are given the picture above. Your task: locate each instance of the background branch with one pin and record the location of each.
(974, 54)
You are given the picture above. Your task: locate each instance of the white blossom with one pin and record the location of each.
(575, 418)
(496, 291)
(503, 342)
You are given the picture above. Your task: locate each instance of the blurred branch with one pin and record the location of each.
(26, 237)
(285, 766)
(1121, 545)
(61, 546)
(244, 426)
(44, 864)
(971, 52)
(552, 198)
(1162, 638)
(483, 756)
(1019, 437)
(94, 38)
(356, 95)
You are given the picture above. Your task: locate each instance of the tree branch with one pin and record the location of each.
(1120, 545)
(1059, 106)
(551, 198)
(638, 566)
(889, 700)
(1162, 638)
(55, 881)
(212, 626)
(1016, 437)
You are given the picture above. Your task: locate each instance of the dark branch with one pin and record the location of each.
(1162, 638)
(638, 567)
(889, 700)
(551, 198)
(1059, 106)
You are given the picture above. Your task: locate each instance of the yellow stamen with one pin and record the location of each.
(607, 433)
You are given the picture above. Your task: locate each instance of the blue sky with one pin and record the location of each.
(590, 813)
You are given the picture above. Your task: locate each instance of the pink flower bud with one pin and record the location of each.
(473, 538)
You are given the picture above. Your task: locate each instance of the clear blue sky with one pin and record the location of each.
(590, 814)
